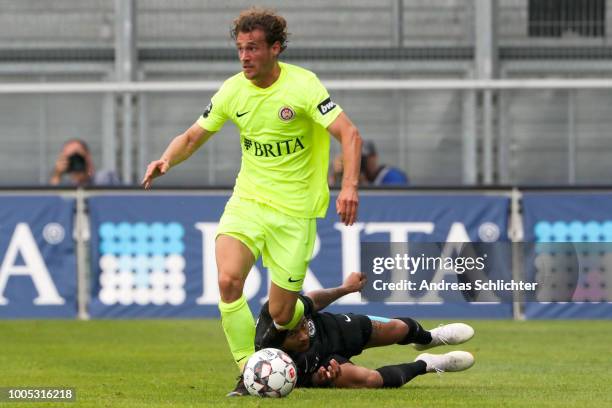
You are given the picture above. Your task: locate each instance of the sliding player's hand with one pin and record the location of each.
(346, 205)
(155, 169)
(326, 376)
(355, 282)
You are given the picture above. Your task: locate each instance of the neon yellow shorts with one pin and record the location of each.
(284, 241)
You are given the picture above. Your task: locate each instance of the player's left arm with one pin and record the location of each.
(348, 135)
(324, 297)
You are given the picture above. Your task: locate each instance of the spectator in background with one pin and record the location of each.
(372, 173)
(379, 174)
(74, 167)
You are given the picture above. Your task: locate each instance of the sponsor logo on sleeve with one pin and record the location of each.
(326, 106)
(207, 110)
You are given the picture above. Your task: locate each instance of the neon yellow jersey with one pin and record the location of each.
(285, 144)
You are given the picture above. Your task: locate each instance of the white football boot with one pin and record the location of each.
(449, 362)
(448, 334)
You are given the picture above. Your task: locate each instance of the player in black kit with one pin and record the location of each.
(323, 344)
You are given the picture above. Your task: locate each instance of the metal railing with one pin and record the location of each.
(481, 140)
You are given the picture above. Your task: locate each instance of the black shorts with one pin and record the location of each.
(356, 331)
(346, 335)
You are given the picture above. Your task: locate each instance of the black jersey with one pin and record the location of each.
(339, 336)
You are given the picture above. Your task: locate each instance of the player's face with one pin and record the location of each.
(297, 339)
(256, 56)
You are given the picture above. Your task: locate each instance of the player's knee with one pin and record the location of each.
(230, 287)
(399, 328)
(373, 380)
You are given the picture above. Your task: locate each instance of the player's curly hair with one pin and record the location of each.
(273, 25)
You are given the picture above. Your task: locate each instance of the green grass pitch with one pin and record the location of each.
(186, 363)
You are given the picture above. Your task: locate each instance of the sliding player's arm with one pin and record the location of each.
(179, 149)
(346, 375)
(324, 297)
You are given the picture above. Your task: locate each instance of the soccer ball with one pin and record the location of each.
(270, 373)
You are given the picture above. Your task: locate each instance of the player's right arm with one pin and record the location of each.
(179, 149)
(324, 377)
(324, 297)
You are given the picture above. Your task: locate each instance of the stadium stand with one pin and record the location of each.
(420, 131)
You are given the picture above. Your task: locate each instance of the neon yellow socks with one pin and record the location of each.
(298, 313)
(239, 328)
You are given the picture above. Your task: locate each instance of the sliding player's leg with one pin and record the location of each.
(449, 362)
(447, 334)
(402, 330)
(395, 376)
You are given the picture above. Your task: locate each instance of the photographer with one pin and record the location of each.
(74, 167)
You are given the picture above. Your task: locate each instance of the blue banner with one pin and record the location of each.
(153, 254)
(399, 218)
(572, 218)
(37, 257)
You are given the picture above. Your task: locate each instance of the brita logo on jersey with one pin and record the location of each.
(326, 106)
(274, 149)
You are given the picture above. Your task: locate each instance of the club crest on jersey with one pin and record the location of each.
(311, 328)
(286, 113)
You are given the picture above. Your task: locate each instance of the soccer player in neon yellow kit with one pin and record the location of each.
(284, 114)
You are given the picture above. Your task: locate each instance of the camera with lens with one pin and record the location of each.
(76, 163)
